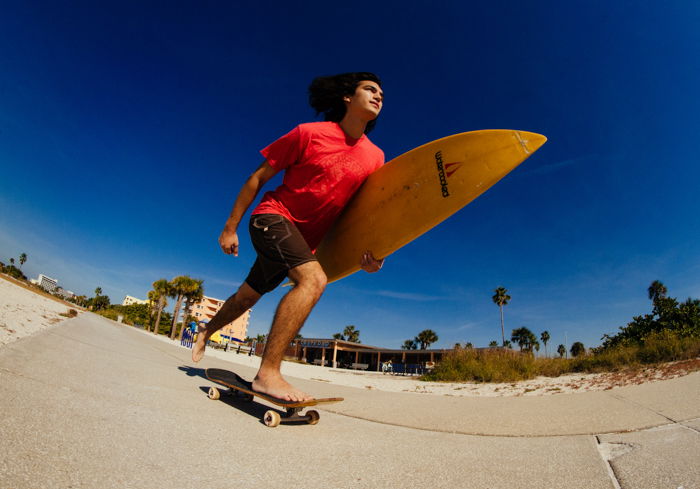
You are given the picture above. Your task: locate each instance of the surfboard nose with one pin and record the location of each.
(530, 141)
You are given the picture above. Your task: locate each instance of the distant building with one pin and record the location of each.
(66, 294)
(205, 309)
(128, 300)
(47, 283)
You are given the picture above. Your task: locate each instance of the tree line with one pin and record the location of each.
(12, 270)
(186, 291)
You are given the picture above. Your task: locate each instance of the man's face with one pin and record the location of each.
(367, 101)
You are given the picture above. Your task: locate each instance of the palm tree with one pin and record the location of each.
(426, 338)
(12, 262)
(339, 336)
(493, 344)
(561, 350)
(22, 259)
(577, 349)
(351, 334)
(545, 338)
(161, 289)
(193, 295)
(524, 338)
(152, 307)
(657, 291)
(98, 291)
(501, 298)
(409, 345)
(179, 286)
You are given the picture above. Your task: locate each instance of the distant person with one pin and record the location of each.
(324, 164)
(387, 366)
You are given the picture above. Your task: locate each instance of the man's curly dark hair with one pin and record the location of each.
(326, 94)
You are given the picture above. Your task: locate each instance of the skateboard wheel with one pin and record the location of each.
(272, 418)
(214, 393)
(313, 417)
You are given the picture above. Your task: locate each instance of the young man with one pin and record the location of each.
(324, 164)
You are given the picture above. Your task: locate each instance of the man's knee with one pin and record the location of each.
(319, 282)
(312, 277)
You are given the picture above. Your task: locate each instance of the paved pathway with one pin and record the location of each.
(94, 404)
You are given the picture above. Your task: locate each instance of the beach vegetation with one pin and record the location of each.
(545, 338)
(133, 314)
(667, 316)
(577, 349)
(181, 288)
(426, 338)
(506, 365)
(13, 271)
(501, 299)
(351, 334)
(158, 298)
(670, 333)
(71, 313)
(525, 339)
(193, 295)
(99, 302)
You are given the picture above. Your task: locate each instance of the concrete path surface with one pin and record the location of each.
(95, 404)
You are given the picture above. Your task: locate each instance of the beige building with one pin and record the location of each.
(128, 300)
(205, 309)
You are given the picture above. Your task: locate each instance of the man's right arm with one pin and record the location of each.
(229, 236)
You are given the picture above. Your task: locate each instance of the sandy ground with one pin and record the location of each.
(23, 312)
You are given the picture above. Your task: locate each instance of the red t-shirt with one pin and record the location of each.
(323, 169)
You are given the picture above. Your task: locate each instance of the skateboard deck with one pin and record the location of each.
(244, 389)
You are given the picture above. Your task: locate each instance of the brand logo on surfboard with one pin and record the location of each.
(445, 171)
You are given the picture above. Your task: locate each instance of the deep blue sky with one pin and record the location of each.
(127, 129)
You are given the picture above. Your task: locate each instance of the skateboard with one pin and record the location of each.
(243, 389)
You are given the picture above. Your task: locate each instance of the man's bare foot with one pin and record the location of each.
(199, 346)
(276, 386)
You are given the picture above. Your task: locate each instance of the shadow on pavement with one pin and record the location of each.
(193, 371)
(233, 399)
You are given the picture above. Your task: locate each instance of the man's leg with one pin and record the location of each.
(310, 282)
(233, 308)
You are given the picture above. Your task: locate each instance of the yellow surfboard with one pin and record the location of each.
(418, 190)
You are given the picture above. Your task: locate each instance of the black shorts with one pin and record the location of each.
(280, 247)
